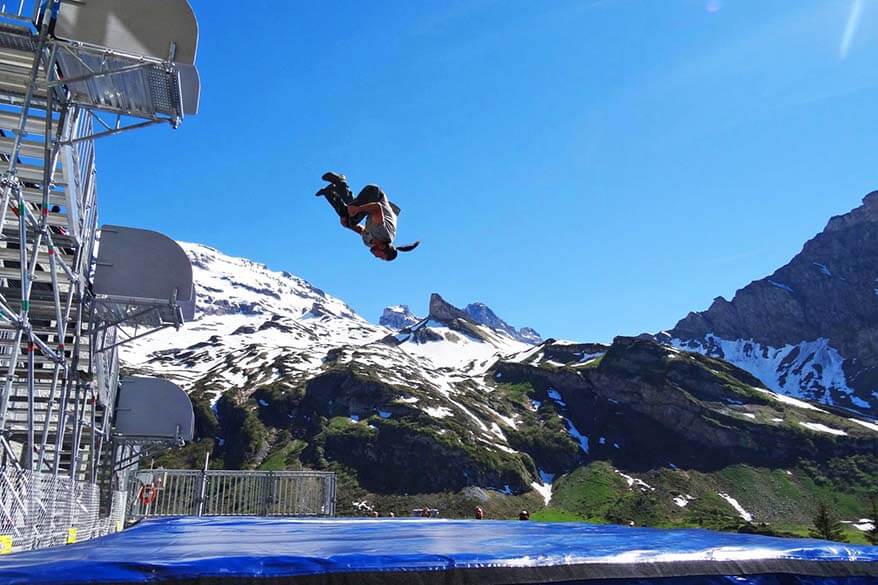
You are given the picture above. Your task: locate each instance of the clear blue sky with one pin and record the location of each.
(586, 168)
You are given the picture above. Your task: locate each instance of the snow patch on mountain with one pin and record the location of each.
(868, 425)
(789, 400)
(812, 370)
(738, 507)
(577, 436)
(472, 351)
(544, 486)
(632, 481)
(822, 428)
(683, 500)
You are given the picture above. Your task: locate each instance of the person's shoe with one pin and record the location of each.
(325, 191)
(335, 178)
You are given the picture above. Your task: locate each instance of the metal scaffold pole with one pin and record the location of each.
(72, 73)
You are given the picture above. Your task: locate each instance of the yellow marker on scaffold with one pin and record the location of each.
(71, 536)
(5, 544)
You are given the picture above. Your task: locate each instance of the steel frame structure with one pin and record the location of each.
(59, 361)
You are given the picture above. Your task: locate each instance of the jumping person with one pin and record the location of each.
(370, 204)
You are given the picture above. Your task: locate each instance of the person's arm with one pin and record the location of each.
(373, 209)
(356, 227)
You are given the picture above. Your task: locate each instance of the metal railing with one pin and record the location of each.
(187, 492)
(40, 509)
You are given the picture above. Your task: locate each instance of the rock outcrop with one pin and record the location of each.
(819, 313)
(398, 317)
(482, 313)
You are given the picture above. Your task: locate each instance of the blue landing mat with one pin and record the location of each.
(447, 552)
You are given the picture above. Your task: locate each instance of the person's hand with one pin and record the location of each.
(344, 221)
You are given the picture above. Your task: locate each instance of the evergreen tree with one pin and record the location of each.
(872, 535)
(826, 525)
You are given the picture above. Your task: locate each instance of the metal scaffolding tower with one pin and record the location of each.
(71, 73)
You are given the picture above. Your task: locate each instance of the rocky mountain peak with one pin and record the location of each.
(808, 328)
(867, 212)
(479, 314)
(482, 313)
(398, 317)
(443, 311)
(529, 335)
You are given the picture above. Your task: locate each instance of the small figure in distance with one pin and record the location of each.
(425, 512)
(370, 204)
(374, 514)
(524, 515)
(391, 515)
(480, 514)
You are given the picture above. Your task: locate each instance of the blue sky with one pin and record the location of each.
(586, 168)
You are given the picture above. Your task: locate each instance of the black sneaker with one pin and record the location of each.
(335, 178)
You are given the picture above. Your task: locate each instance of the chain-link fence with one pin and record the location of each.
(38, 510)
(184, 492)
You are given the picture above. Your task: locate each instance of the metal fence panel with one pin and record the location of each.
(39, 510)
(186, 492)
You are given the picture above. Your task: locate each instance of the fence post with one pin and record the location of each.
(201, 488)
(330, 496)
(268, 494)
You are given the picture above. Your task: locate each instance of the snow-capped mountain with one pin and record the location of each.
(283, 375)
(248, 316)
(809, 330)
(449, 333)
(400, 317)
(256, 328)
(482, 313)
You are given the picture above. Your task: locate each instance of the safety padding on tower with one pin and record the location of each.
(127, 74)
(152, 28)
(142, 278)
(154, 410)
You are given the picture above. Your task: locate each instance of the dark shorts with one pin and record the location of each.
(341, 197)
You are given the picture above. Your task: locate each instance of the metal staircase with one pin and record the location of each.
(67, 78)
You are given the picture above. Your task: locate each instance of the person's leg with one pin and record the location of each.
(339, 197)
(335, 200)
(369, 194)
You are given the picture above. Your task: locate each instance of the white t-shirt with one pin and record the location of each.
(384, 231)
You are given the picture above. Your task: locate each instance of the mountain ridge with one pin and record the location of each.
(284, 376)
(400, 316)
(811, 327)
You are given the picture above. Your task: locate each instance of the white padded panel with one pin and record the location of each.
(141, 27)
(190, 86)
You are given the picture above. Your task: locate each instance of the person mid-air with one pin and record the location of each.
(370, 204)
